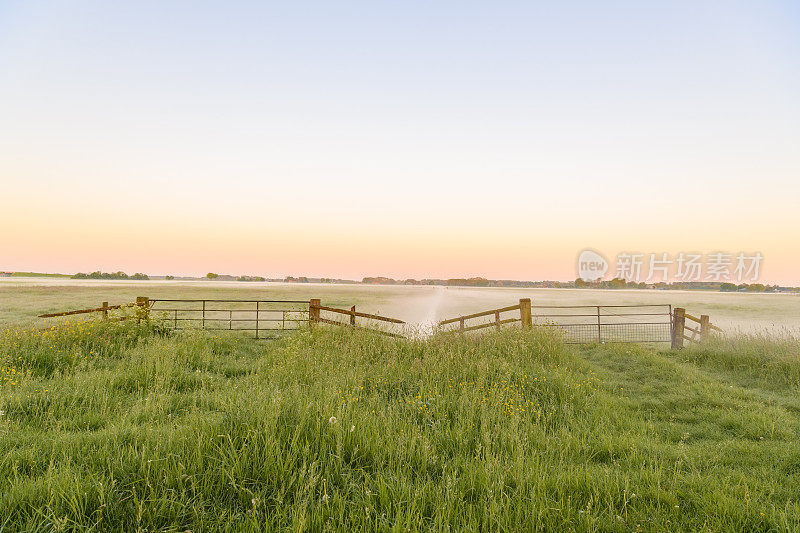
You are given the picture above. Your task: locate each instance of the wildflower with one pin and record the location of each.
(332, 420)
(352, 428)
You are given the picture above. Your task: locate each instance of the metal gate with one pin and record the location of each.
(607, 323)
(577, 323)
(257, 316)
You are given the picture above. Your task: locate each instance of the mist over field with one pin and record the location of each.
(399, 266)
(420, 306)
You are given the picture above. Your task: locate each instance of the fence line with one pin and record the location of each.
(257, 316)
(315, 309)
(618, 323)
(104, 308)
(580, 323)
(699, 334)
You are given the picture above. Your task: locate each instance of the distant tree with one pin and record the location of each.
(728, 287)
(617, 283)
(211, 275)
(250, 278)
(140, 276)
(756, 287)
(169, 277)
(104, 275)
(379, 280)
(469, 282)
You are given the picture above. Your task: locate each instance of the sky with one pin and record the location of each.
(404, 139)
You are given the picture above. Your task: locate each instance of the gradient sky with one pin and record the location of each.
(407, 139)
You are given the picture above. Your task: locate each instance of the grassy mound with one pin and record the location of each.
(112, 426)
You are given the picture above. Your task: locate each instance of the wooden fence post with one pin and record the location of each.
(678, 324)
(525, 312)
(353, 316)
(143, 304)
(313, 311)
(105, 311)
(704, 328)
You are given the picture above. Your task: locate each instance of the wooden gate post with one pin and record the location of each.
(704, 328)
(678, 324)
(143, 307)
(525, 312)
(105, 311)
(313, 311)
(353, 316)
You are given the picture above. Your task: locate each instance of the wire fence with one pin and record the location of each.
(607, 323)
(263, 318)
(639, 323)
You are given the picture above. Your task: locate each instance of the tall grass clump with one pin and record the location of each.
(347, 430)
(775, 360)
(44, 351)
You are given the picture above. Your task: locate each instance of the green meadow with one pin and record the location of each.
(22, 299)
(122, 426)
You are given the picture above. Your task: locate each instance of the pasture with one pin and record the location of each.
(125, 426)
(22, 299)
(116, 426)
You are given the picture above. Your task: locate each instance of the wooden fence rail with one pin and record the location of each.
(315, 309)
(104, 308)
(524, 307)
(353, 313)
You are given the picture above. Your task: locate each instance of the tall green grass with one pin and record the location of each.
(115, 426)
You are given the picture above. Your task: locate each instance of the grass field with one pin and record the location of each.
(120, 426)
(111, 426)
(22, 299)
